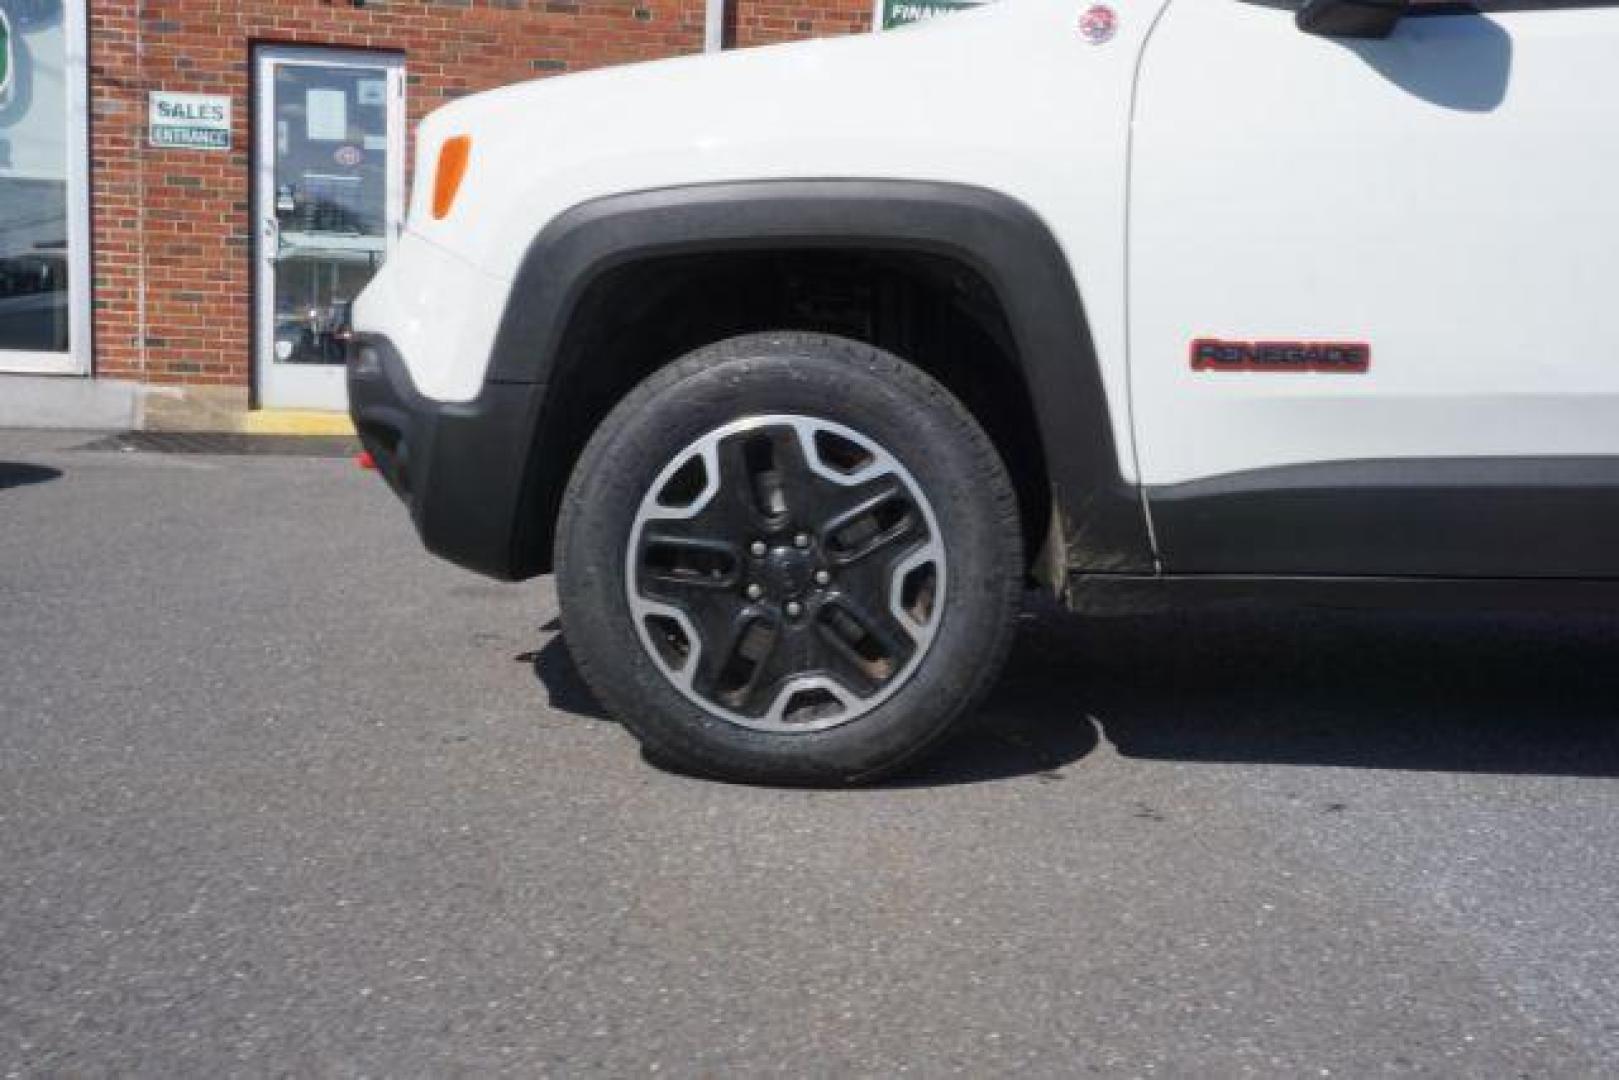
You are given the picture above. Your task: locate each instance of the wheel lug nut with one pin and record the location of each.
(794, 608)
(801, 540)
(755, 591)
(758, 547)
(823, 577)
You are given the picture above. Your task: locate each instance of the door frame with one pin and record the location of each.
(76, 360)
(320, 386)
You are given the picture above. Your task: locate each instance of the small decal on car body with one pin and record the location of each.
(1334, 357)
(1099, 24)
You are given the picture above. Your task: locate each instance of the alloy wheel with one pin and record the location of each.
(786, 573)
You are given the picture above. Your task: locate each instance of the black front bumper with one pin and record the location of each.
(461, 468)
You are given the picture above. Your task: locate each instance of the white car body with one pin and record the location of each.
(1445, 198)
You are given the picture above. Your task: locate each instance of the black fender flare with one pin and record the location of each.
(1100, 515)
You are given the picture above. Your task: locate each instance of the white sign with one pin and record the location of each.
(193, 121)
(326, 115)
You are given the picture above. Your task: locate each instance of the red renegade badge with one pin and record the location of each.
(1345, 357)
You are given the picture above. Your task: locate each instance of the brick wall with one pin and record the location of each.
(764, 22)
(173, 251)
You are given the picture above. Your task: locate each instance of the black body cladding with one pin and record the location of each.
(459, 468)
(1475, 518)
(1104, 527)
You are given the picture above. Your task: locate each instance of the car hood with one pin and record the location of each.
(934, 101)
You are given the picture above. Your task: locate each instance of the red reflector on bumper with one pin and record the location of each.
(364, 460)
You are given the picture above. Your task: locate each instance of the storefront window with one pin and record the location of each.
(36, 188)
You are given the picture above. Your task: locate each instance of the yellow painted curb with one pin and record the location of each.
(295, 422)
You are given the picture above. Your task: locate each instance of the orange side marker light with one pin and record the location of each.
(453, 157)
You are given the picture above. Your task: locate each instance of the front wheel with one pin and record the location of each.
(789, 558)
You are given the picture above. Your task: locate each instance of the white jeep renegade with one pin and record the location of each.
(798, 363)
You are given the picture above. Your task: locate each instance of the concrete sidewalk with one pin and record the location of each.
(51, 402)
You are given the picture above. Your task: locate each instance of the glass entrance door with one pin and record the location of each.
(329, 198)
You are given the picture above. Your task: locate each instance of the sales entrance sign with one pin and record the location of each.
(190, 121)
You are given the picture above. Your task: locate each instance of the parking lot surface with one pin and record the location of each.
(280, 793)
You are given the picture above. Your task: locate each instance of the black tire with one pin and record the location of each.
(963, 485)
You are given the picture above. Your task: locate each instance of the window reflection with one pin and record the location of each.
(331, 187)
(33, 177)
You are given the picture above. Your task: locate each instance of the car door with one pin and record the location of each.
(1373, 326)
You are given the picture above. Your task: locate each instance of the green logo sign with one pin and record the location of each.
(900, 12)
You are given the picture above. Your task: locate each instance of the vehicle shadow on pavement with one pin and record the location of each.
(1026, 730)
(1348, 689)
(565, 687)
(21, 474)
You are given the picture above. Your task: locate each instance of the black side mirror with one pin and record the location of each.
(1352, 18)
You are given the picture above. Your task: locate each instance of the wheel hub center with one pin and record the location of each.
(788, 572)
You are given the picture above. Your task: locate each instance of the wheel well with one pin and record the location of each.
(934, 312)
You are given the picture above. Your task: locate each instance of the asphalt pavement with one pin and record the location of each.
(282, 794)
